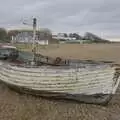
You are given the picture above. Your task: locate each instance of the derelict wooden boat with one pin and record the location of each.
(89, 84)
(83, 81)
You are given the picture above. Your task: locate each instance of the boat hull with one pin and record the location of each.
(92, 84)
(98, 99)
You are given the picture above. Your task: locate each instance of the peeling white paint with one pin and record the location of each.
(80, 81)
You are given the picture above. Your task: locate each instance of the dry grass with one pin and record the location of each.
(21, 107)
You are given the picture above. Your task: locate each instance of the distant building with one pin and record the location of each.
(61, 36)
(27, 37)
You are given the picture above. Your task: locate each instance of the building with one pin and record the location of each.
(61, 36)
(42, 37)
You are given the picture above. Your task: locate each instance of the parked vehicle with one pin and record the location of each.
(8, 52)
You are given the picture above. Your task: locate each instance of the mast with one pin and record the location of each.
(34, 37)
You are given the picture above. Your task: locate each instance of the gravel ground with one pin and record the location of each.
(14, 106)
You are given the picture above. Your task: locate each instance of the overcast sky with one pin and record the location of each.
(99, 16)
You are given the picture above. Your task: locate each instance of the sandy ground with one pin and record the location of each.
(108, 52)
(14, 106)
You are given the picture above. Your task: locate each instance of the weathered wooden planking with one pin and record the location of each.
(70, 81)
(90, 84)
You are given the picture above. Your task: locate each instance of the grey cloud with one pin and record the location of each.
(63, 15)
(107, 6)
